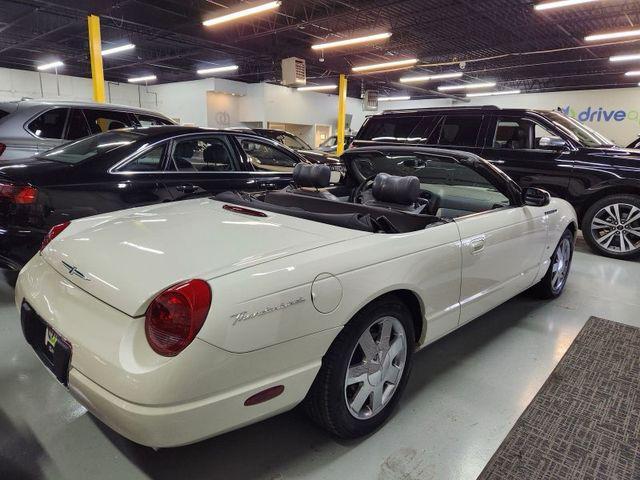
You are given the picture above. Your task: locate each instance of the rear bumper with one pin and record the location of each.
(182, 424)
(18, 245)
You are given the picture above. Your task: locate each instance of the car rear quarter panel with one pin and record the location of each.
(353, 273)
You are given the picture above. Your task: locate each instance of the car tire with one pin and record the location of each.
(335, 402)
(607, 230)
(553, 283)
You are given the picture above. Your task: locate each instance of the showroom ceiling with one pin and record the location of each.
(506, 41)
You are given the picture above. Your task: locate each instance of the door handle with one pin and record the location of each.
(477, 245)
(188, 188)
(497, 162)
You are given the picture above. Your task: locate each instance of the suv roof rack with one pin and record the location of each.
(464, 107)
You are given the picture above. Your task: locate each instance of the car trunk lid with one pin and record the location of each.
(126, 258)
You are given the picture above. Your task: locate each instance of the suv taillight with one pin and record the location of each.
(53, 233)
(175, 317)
(19, 194)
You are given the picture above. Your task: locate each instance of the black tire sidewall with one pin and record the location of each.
(591, 213)
(545, 287)
(348, 425)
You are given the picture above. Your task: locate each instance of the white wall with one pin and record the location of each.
(16, 84)
(613, 112)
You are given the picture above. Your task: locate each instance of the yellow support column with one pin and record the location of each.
(342, 110)
(95, 52)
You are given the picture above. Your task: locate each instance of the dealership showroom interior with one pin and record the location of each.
(320, 239)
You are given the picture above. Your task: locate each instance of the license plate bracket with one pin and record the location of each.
(52, 349)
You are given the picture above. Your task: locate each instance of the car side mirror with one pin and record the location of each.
(552, 143)
(536, 197)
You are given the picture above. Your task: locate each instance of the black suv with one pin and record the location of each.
(537, 148)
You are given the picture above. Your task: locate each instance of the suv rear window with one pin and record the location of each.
(461, 130)
(50, 124)
(387, 128)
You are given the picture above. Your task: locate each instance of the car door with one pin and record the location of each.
(502, 246)
(205, 163)
(527, 149)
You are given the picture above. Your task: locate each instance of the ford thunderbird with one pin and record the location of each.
(174, 323)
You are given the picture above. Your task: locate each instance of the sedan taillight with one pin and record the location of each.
(53, 233)
(175, 317)
(19, 194)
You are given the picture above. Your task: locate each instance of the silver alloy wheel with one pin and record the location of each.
(561, 263)
(375, 368)
(616, 228)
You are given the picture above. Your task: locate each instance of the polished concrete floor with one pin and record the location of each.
(464, 396)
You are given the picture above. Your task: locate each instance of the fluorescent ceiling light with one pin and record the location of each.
(625, 58)
(242, 13)
(428, 78)
(228, 68)
(146, 78)
(493, 94)
(121, 48)
(393, 99)
(317, 88)
(561, 4)
(468, 86)
(387, 65)
(49, 66)
(352, 41)
(635, 73)
(612, 35)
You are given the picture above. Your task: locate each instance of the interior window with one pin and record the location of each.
(523, 134)
(151, 121)
(266, 157)
(205, 154)
(150, 161)
(461, 130)
(50, 124)
(77, 127)
(105, 120)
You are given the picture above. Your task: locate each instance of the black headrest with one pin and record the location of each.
(215, 153)
(316, 175)
(185, 150)
(395, 189)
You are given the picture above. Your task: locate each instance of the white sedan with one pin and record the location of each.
(177, 322)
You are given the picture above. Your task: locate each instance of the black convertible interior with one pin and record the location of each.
(381, 203)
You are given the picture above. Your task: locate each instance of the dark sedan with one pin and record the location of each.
(128, 168)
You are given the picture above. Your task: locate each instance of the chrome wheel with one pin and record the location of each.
(561, 264)
(375, 368)
(616, 228)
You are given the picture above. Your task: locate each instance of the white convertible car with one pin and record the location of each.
(177, 322)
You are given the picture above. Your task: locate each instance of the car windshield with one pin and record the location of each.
(76, 152)
(584, 135)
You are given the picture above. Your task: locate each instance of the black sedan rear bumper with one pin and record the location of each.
(18, 245)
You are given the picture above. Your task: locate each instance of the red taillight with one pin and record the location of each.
(175, 317)
(18, 194)
(53, 233)
(3, 147)
(26, 195)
